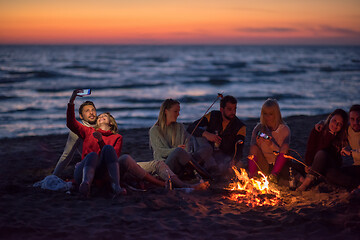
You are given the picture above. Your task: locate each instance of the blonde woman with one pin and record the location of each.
(168, 139)
(270, 140)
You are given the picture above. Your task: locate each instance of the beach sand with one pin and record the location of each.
(323, 212)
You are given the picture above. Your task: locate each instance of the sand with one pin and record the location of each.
(323, 212)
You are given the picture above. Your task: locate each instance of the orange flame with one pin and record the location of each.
(253, 192)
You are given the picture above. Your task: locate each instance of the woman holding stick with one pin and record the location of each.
(269, 136)
(323, 150)
(168, 139)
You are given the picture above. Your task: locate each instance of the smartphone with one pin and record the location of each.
(263, 135)
(84, 92)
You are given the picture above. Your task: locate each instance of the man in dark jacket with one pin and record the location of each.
(224, 131)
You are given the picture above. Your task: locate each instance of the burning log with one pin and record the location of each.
(252, 192)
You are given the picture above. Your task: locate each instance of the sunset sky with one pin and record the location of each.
(180, 22)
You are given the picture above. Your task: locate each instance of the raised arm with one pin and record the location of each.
(71, 122)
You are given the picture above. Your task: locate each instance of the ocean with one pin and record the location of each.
(131, 82)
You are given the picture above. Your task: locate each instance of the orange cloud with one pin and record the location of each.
(140, 21)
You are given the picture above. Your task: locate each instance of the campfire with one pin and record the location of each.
(252, 192)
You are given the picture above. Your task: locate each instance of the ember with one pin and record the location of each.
(252, 192)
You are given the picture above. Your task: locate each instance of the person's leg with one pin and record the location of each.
(108, 155)
(163, 171)
(78, 172)
(203, 153)
(280, 162)
(318, 166)
(257, 161)
(128, 164)
(91, 161)
(177, 160)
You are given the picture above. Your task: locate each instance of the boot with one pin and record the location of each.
(88, 176)
(114, 173)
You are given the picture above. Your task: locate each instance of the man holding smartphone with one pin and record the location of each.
(87, 113)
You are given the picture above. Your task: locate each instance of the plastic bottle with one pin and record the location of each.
(292, 183)
(216, 145)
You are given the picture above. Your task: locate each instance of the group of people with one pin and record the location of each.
(209, 147)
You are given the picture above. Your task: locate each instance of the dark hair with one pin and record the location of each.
(355, 108)
(227, 99)
(87, 103)
(341, 136)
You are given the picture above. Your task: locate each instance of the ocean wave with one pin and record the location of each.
(342, 68)
(29, 109)
(38, 74)
(277, 72)
(230, 64)
(152, 59)
(86, 68)
(211, 80)
(12, 79)
(142, 100)
(4, 98)
(121, 109)
(97, 86)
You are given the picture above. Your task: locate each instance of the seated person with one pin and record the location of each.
(224, 132)
(323, 151)
(270, 141)
(347, 175)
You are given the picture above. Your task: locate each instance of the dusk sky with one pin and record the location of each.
(180, 22)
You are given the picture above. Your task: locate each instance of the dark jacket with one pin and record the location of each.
(229, 135)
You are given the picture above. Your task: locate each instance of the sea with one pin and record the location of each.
(131, 81)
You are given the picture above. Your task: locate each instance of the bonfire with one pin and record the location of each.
(252, 192)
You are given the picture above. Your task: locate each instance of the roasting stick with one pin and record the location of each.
(292, 158)
(220, 95)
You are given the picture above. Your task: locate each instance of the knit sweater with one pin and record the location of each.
(90, 142)
(161, 144)
(317, 141)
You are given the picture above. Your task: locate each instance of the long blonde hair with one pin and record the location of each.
(113, 125)
(161, 122)
(272, 104)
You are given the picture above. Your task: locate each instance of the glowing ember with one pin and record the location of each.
(253, 192)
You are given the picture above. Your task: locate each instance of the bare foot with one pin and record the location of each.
(201, 186)
(305, 183)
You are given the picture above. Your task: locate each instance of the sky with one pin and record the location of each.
(289, 22)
